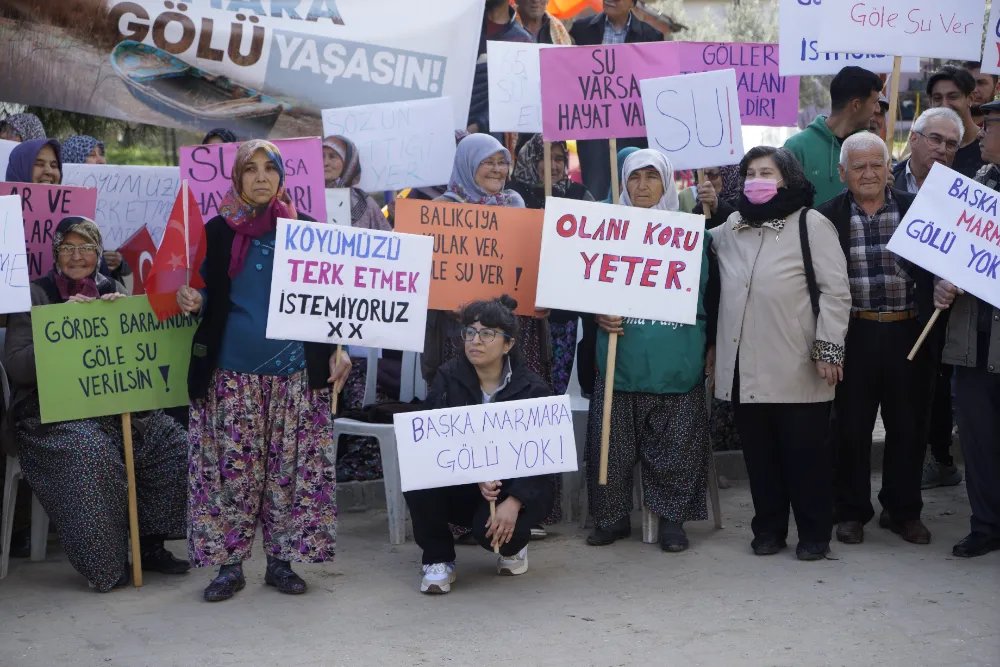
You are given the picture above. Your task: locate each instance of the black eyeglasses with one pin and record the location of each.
(486, 335)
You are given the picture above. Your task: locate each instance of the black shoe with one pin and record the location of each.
(672, 536)
(768, 545)
(601, 537)
(976, 544)
(158, 559)
(812, 550)
(279, 574)
(20, 544)
(226, 585)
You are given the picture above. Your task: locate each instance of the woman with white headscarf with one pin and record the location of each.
(658, 413)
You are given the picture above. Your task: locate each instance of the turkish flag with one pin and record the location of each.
(138, 252)
(172, 267)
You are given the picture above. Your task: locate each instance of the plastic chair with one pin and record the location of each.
(386, 437)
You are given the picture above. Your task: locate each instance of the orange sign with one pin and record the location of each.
(480, 252)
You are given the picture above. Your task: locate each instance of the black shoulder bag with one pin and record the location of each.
(807, 260)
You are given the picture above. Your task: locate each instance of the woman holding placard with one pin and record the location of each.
(659, 412)
(783, 320)
(342, 169)
(261, 432)
(491, 370)
(77, 468)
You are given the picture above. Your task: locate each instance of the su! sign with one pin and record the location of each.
(620, 260)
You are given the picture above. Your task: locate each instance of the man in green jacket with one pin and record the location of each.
(854, 97)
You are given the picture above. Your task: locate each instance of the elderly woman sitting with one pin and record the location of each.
(77, 468)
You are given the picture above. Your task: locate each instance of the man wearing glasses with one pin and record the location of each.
(972, 346)
(936, 136)
(953, 88)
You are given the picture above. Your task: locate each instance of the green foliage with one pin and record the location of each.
(141, 155)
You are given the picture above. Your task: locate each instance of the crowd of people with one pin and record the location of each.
(802, 342)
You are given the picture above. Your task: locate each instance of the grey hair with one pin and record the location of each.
(862, 141)
(939, 112)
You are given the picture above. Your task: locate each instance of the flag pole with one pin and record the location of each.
(187, 240)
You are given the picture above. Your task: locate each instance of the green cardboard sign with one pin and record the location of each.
(100, 358)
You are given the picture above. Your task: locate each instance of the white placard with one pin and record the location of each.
(515, 86)
(128, 197)
(991, 48)
(5, 149)
(953, 230)
(485, 443)
(342, 285)
(798, 50)
(338, 206)
(694, 119)
(15, 290)
(921, 28)
(620, 260)
(400, 144)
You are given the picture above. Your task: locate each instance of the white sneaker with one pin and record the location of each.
(438, 578)
(513, 566)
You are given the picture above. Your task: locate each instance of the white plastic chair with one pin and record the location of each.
(410, 386)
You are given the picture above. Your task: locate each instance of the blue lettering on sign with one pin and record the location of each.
(929, 234)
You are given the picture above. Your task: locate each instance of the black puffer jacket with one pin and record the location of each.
(457, 385)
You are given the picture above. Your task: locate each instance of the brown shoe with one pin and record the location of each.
(913, 531)
(851, 532)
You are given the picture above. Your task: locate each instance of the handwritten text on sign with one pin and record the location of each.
(922, 28)
(633, 262)
(400, 144)
(480, 252)
(953, 231)
(799, 26)
(43, 207)
(485, 443)
(209, 171)
(102, 358)
(515, 86)
(15, 291)
(694, 119)
(128, 198)
(334, 284)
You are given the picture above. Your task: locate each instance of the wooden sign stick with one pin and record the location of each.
(493, 522)
(923, 334)
(609, 375)
(548, 168)
(334, 394)
(133, 505)
(890, 121)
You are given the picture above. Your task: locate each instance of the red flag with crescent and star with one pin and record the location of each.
(139, 251)
(172, 268)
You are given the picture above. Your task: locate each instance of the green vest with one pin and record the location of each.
(660, 357)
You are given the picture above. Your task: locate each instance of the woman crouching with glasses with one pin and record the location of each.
(490, 371)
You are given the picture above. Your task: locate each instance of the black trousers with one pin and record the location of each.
(877, 373)
(941, 421)
(431, 510)
(787, 451)
(977, 409)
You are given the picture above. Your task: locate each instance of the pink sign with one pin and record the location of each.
(209, 171)
(766, 97)
(43, 208)
(592, 92)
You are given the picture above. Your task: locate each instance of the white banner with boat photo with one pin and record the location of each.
(262, 69)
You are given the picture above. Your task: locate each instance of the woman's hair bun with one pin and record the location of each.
(508, 302)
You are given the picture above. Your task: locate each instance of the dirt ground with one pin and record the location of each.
(882, 603)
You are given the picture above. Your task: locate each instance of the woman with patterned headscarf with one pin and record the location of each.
(261, 433)
(82, 149)
(22, 127)
(76, 468)
(342, 169)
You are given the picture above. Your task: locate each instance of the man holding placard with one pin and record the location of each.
(972, 345)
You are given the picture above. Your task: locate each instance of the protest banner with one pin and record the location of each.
(341, 285)
(261, 67)
(620, 260)
(485, 443)
(209, 170)
(43, 207)
(991, 47)
(106, 358)
(921, 28)
(400, 144)
(798, 51)
(480, 252)
(139, 252)
(694, 119)
(592, 92)
(766, 97)
(338, 206)
(128, 198)
(515, 86)
(15, 289)
(5, 149)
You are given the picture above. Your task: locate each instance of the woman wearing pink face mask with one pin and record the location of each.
(783, 318)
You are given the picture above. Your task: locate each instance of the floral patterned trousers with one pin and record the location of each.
(262, 448)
